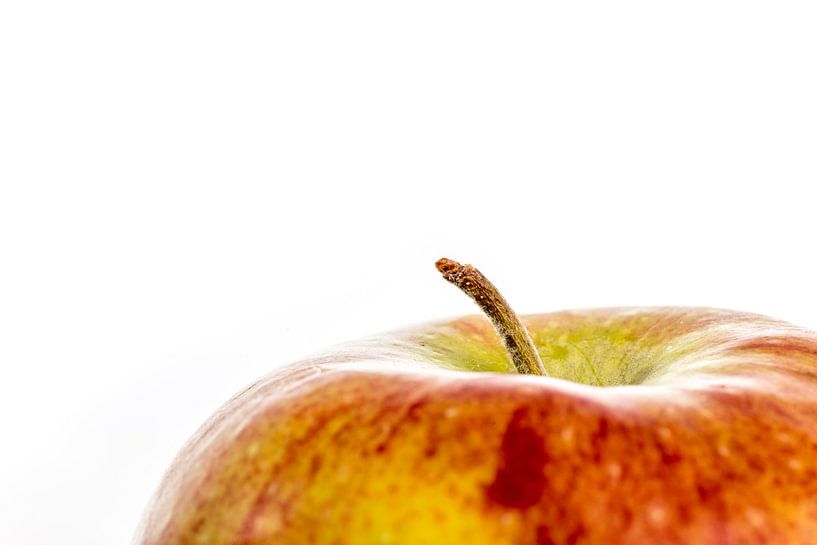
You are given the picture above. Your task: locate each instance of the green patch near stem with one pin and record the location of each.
(594, 348)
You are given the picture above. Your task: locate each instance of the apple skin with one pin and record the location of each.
(706, 434)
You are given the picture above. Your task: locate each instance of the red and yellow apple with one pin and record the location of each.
(688, 426)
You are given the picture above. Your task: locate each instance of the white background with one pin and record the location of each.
(196, 192)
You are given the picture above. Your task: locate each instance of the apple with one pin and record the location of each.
(625, 426)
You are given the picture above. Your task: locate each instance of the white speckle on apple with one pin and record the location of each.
(665, 433)
(724, 451)
(614, 470)
(451, 412)
(784, 437)
(568, 435)
(795, 464)
(272, 489)
(507, 519)
(657, 514)
(755, 517)
(253, 449)
(669, 347)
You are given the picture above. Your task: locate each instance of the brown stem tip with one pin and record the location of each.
(514, 336)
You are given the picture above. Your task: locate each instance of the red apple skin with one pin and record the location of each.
(377, 443)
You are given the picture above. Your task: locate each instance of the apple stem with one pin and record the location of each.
(514, 336)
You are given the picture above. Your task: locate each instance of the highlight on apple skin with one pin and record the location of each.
(652, 426)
